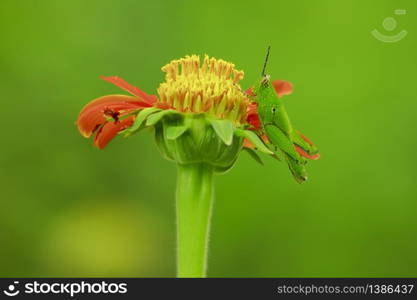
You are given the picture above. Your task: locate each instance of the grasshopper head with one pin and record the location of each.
(266, 79)
(260, 90)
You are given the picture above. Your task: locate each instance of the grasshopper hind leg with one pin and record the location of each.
(295, 162)
(305, 146)
(282, 142)
(297, 169)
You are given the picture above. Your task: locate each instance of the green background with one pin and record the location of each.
(69, 209)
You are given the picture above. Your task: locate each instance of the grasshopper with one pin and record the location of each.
(276, 125)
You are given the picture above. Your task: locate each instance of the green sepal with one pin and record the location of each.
(174, 132)
(140, 118)
(254, 155)
(224, 130)
(256, 141)
(156, 117)
(198, 142)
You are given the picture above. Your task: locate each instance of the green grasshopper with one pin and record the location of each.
(277, 126)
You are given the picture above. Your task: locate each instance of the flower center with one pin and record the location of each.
(211, 88)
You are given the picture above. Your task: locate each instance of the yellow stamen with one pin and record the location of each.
(210, 88)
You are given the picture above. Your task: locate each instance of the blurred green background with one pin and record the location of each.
(68, 209)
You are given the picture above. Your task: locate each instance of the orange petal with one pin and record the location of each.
(253, 108)
(249, 92)
(305, 154)
(282, 87)
(265, 139)
(110, 99)
(92, 115)
(150, 99)
(162, 105)
(248, 144)
(305, 138)
(252, 115)
(254, 120)
(109, 130)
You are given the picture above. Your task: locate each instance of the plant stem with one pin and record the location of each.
(194, 204)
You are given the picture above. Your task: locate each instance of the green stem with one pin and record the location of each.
(194, 204)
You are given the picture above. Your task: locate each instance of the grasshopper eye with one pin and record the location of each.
(273, 109)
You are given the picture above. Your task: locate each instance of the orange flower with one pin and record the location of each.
(110, 114)
(211, 88)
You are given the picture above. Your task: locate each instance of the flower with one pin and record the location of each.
(200, 114)
(212, 89)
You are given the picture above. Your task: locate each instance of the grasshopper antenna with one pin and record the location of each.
(266, 61)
